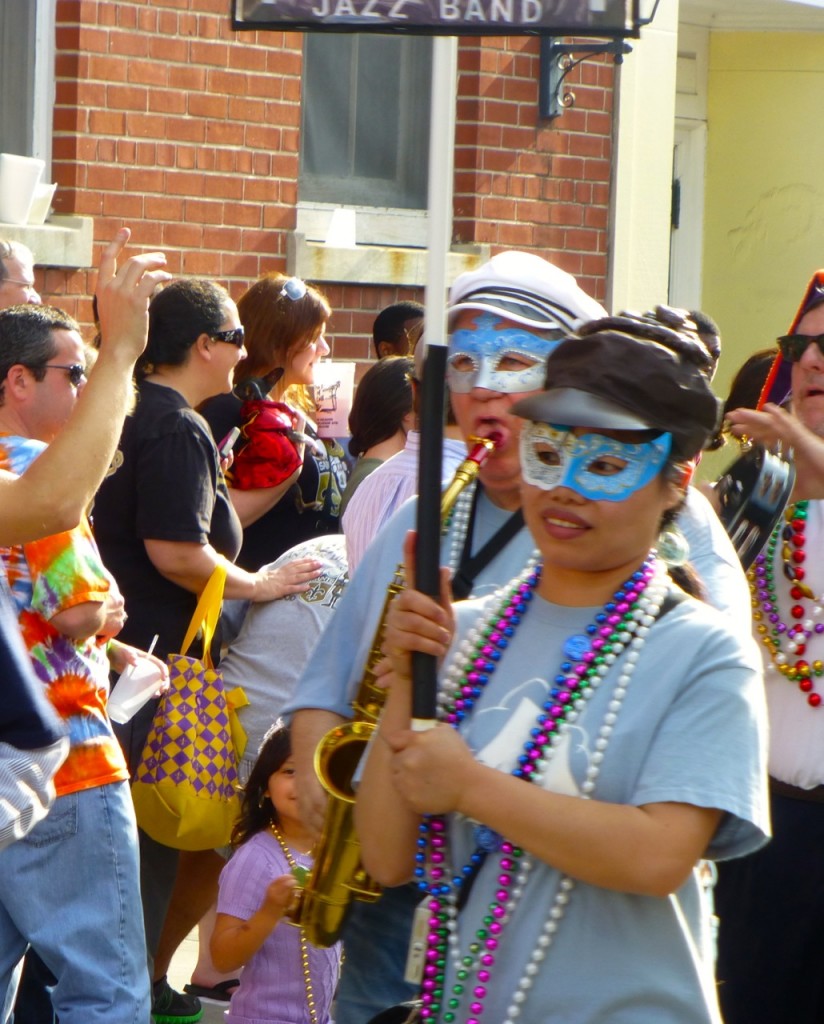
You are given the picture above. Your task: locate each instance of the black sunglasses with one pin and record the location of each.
(234, 337)
(77, 373)
(793, 346)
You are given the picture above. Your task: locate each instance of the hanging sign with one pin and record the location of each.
(443, 17)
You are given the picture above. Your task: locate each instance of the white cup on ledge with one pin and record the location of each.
(19, 178)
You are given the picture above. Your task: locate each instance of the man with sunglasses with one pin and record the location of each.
(71, 888)
(16, 274)
(771, 904)
(50, 497)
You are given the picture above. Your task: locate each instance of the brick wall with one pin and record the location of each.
(168, 121)
(524, 183)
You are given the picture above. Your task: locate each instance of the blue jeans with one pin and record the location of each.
(375, 943)
(70, 888)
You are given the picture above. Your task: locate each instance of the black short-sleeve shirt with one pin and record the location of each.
(165, 484)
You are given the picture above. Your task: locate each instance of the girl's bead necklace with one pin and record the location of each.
(304, 944)
(623, 623)
(787, 641)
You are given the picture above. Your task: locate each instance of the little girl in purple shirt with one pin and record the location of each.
(285, 979)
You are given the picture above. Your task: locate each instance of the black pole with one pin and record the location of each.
(428, 550)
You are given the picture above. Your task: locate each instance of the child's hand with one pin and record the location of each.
(281, 893)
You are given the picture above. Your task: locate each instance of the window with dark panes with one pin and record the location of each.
(17, 50)
(365, 120)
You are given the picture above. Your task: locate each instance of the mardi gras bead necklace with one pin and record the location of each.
(304, 944)
(788, 640)
(623, 623)
(459, 521)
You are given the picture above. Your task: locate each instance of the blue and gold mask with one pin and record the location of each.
(595, 466)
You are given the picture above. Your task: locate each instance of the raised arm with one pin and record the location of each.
(773, 425)
(52, 495)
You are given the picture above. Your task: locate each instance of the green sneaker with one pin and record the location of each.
(170, 1007)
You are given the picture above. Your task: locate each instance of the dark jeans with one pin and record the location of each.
(771, 923)
(33, 1003)
(376, 941)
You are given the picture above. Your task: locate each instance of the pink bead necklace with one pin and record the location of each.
(623, 623)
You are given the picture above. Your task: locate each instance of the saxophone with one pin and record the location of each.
(338, 876)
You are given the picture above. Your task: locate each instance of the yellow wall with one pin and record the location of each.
(764, 221)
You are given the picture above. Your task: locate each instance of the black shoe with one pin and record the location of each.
(219, 994)
(170, 1007)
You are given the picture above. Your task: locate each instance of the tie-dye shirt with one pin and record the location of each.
(46, 577)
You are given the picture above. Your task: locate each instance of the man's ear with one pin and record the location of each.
(19, 382)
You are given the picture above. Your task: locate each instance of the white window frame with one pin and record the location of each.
(40, 64)
(44, 83)
(689, 166)
(64, 241)
(374, 225)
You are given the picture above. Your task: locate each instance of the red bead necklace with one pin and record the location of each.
(788, 640)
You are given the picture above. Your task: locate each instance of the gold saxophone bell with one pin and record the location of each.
(338, 876)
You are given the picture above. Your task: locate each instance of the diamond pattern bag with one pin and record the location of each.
(185, 787)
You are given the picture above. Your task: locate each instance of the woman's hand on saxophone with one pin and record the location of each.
(415, 621)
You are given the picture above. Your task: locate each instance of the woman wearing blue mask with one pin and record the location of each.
(601, 732)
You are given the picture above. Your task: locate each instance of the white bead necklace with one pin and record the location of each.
(459, 524)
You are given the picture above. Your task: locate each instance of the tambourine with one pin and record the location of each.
(751, 496)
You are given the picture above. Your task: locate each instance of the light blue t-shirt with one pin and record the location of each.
(691, 729)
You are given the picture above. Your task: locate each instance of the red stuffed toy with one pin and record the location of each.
(269, 454)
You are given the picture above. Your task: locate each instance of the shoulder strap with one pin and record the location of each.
(207, 612)
(470, 565)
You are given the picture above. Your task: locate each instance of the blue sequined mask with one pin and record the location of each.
(597, 467)
(508, 359)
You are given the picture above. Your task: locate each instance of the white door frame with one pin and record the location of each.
(687, 240)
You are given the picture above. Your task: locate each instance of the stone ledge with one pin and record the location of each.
(373, 264)
(64, 241)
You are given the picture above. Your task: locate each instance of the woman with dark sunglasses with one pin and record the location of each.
(286, 482)
(163, 520)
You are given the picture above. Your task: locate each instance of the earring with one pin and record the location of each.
(673, 546)
(262, 799)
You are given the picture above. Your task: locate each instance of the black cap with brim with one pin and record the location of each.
(612, 380)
